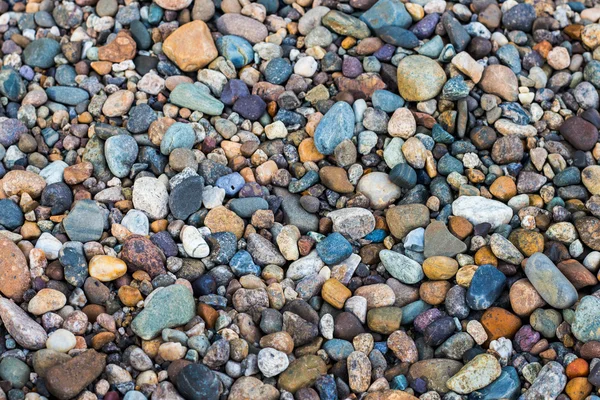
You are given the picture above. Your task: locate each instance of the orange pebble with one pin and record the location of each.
(578, 368)
(578, 388)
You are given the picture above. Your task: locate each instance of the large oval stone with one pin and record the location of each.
(420, 78)
(550, 283)
(334, 127)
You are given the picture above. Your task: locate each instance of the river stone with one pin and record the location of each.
(85, 222)
(41, 52)
(335, 126)
(197, 381)
(186, 198)
(436, 372)
(151, 197)
(420, 78)
(549, 282)
(67, 379)
(353, 222)
(476, 374)
(14, 273)
(303, 372)
(479, 209)
(21, 327)
(548, 384)
(121, 152)
(586, 326)
(167, 308)
(404, 218)
(191, 58)
(401, 267)
(379, 189)
(195, 98)
(440, 242)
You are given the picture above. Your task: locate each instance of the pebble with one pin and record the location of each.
(549, 282)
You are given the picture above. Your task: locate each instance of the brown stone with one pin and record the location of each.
(18, 182)
(365, 84)
(577, 274)
(336, 179)
(589, 231)
(191, 58)
(66, 380)
(503, 188)
(500, 80)
(390, 395)
(75, 174)
(251, 388)
(335, 293)
(14, 272)
(435, 372)
(524, 299)
(221, 219)
(434, 292)
(527, 242)
(580, 133)
(303, 372)
(121, 49)
(460, 227)
(404, 218)
(140, 253)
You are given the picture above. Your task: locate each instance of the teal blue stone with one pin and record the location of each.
(336, 126)
(246, 206)
(14, 371)
(387, 101)
(506, 386)
(556, 201)
(65, 75)
(196, 98)
(140, 34)
(509, 56)
(41, 52)
(334, 249)
(242, 264)
(387, 13)
(397, 36)
(168, 307)
(72, 258)
(155, 14)
(486, 286)
(67, 95)
(121, 152)
(568, 176)
(455, 89)
(85, 222)
(412, 311)
(447, 54)
(448, 164)
(440, 135)
(586, 326)
(433, 48)
(338, 349)
(11, 84)
(300, 185)
(399, 383)
(235, 49)
(179, 135)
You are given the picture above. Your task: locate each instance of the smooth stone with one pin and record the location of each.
(476, 374)
(85, 222)
(440, 242)
(24, 330)
(507, 386)
(67, 379)
(401, 267)
(548, 384)
(436, 372)
(167, 308)
(236, 49)
(193, 243)
(191, 58)
(121, 152)
(197, 381)
(379, 189)
(334, 248)
(151, 197)
(586, 326)
(67, 95)
(486, 287)
(420, 78)
(335, 126)
(550, 283)
(11, 216)
(192, 96)
(41, 52)
(186, 198)
(478, 210)
(387, 13)
(179, 135)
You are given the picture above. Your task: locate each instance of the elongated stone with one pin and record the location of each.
(550, 283)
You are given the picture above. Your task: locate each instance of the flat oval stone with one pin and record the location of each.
(436, 372)
(550, 283)
(302, 372)
(195, 98)
(85, 222)
(41, 52)
(186, 198)
(379, 189)
(353, 222)
(21, 327)
(479, 209)
(121, 152)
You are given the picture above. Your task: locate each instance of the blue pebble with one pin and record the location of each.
(381, 346)
(507, 386)
(235, 49)
(335, 126)
(338, 349)
(242, 264)
(376, 236)
(387, 13)
(231, 183)
(387, 101)
(412, 311)
(326, 387)
(486, 286)
(179, 135)
(300, 185)
(399, 383)
(277, 71)
(334, 248)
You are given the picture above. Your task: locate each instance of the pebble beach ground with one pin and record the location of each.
(299, 199)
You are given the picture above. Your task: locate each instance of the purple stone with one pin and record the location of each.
(385, 53)
(11, 131)
(26, 72)
(526, 337)
(351, 67)
(250, 107)
(233, 90)
(427, 317)
(165, 242)
(426, 27)
(252, 189)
